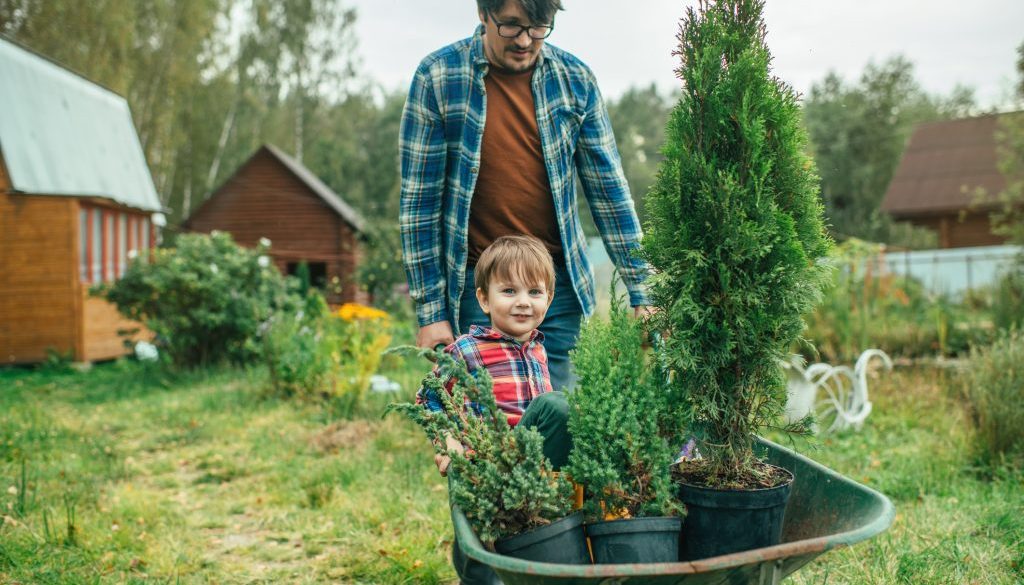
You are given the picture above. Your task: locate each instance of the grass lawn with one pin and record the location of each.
(132, 474)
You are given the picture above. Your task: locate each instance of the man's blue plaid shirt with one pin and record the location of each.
(439, 144)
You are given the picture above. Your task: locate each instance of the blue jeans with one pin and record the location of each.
(561, 325)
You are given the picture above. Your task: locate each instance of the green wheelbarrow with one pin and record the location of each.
(825, 511)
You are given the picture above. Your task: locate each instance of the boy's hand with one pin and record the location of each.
(443, 461)
(435, 334)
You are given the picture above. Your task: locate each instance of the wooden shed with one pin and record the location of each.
(943, 166)
(76, 202)
(274, 196)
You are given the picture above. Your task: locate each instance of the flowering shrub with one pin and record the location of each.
(322, 355)
(205, 298)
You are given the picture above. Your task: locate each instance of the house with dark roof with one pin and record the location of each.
(274, 196)
(943, 168)
(77, 201)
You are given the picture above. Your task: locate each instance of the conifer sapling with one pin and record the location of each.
(736, 235)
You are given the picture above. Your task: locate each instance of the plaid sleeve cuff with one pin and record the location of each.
(431, 312)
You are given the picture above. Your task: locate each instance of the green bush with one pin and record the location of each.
(292, 349)
(865, 308)
(1008, 299)
(205, 298)
(617, 413)
(994, 391)
(503, 483)
(329, 357)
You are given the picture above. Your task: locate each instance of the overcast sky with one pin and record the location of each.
(629, 42)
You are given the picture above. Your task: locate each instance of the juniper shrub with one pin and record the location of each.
(503, 483)
(616, 416)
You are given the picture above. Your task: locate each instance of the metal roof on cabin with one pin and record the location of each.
(942, 166)
(317, 186)
(61, 134)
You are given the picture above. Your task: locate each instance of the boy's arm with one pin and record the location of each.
(428, 397)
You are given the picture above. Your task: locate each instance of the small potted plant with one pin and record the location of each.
(736, 236)
(501, 479)
(616, 415)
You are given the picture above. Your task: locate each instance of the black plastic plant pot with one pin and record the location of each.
(635, 540)
(563, 541)
(721, 522)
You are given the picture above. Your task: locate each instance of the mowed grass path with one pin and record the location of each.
(199, 478)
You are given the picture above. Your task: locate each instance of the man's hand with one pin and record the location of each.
(443, 461)
(435, 334)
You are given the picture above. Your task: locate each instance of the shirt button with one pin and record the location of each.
(474, 170)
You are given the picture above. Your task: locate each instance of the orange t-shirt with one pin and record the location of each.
(512, 193)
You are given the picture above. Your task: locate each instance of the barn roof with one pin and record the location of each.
(61, 134)
(942, 166)
(351, 216)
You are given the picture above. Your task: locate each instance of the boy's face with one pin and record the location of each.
(515, 308)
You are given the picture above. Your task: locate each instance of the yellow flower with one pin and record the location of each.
(357, 312)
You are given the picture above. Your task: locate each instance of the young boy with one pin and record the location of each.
(515, 280)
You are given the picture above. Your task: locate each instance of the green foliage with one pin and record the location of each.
(381, 272)
(314, 354)
(868, 307)
(205, 298)
(504, 483)
(735, 233)
(858, 133)
(618, 413)
(994, 392)
(638, 118)
(1008, 299)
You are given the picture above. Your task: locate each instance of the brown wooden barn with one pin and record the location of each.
(941, 169)
(77, 201)
(274, 196)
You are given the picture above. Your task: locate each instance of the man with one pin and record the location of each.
(496, 131)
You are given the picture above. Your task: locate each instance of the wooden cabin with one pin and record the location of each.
(944, 165)
(77, 201)
(274, 196)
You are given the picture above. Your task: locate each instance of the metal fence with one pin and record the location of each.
(950, 272)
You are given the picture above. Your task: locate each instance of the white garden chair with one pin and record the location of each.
(837, 395)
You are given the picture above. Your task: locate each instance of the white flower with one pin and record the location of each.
(214, 269)
(265, 242)
(12, 490)
(146, 352)
(133, 254)
(264, 261)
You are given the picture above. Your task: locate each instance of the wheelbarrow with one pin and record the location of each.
(825, 511)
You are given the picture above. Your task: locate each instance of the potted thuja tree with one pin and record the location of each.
(620, 454)
(501, 479)
(736, 236)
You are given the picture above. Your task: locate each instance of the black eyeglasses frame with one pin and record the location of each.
(549, 28)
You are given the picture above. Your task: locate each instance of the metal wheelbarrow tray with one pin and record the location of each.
(825, 511)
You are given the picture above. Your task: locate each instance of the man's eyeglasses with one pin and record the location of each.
(512, 31)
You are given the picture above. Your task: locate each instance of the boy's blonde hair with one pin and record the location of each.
(522, 258)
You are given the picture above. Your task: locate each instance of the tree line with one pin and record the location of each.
(208, 81)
